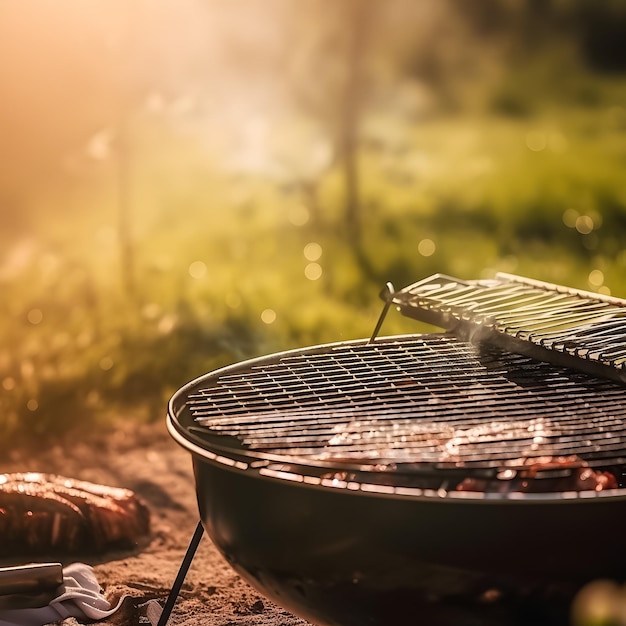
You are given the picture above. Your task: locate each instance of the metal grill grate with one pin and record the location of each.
(548, 322)
(427, 400)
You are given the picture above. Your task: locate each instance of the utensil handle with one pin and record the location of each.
(30, 578)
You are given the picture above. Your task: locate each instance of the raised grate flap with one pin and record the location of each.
(548, 322)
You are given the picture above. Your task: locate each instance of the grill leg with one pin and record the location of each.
(387, 295)
(180, 577)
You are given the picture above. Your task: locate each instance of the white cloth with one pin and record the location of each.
(80, 596)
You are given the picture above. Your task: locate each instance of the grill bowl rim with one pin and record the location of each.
(242, 460)
(216, 458)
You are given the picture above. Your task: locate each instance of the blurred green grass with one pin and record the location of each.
(220, 259)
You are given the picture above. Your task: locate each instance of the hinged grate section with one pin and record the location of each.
(419, 400)
(548, 322)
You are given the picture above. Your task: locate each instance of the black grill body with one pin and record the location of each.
(350, 558)
(329, 479)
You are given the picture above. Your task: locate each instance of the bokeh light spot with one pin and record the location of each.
(312, 251)
(166, 324)
(27, 369)
(93, 398)
(596, 278)
(597, 603)
(151, 311)
(106, 363)
(313, 271)
(198, 269)
(99, 146)
(569, 217)
(35, 316)
(584, 224)
(32, 404)
(8, 383)
(268, 316)
(84, 339)
(426, 247)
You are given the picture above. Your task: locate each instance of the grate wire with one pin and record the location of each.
(415, 400)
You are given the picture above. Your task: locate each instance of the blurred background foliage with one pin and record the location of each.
(189, 183)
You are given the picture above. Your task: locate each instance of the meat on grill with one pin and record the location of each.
(47, 514)
(545, 474)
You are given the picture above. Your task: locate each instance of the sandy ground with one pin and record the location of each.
(145, 459)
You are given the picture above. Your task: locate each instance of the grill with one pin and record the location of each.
(453, 473)
(428, 407)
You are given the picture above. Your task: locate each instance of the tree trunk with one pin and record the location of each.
(358, 17)
(124, 212)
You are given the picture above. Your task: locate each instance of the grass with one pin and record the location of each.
(221, 263)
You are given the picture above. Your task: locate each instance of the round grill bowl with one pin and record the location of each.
(336, 554)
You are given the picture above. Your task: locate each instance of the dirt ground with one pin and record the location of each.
(145, 459)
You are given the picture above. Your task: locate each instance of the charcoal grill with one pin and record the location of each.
(470, 476)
